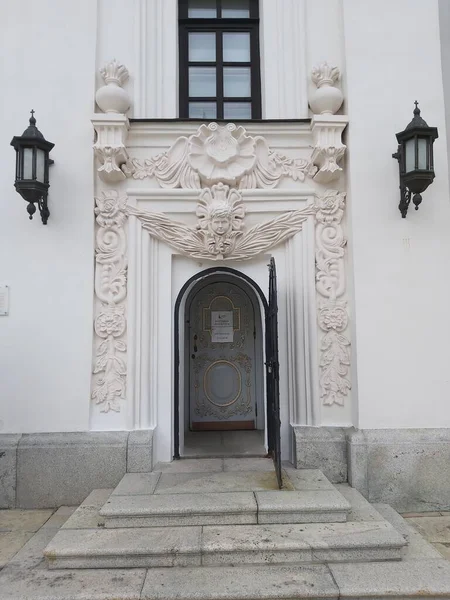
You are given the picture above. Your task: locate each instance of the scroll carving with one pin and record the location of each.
(332, 312)
(111, 289)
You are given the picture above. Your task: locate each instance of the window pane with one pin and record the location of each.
(235, 9)
(202, 9)
(40, 165)
(202, 110)
(202, 81)
(236, 82)
(422, 153)
(28, 163)
(237, 110)
(236, 47)
(410, 151)
(202, 47)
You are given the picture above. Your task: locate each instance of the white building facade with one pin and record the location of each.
(192, 149)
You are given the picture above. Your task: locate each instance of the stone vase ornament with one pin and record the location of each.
(111, 97)
(327, 98)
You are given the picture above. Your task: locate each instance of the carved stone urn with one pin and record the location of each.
(327, 98)
(111, 97)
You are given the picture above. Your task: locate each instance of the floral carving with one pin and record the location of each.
(330, 284)
(335, 354)
(110, 289)
(220, 153)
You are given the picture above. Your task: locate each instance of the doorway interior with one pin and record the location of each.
(220, 386)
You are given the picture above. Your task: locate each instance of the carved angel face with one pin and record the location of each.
(220, 153)
(220, 210)
(220, 221)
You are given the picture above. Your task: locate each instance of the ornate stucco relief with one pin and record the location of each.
(332, 309)
(220, 232)
(216, 154)
(109, 367)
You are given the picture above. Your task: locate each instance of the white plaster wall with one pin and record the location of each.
(48, 51)
(401, 266)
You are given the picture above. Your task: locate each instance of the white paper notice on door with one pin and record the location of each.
(222, 326)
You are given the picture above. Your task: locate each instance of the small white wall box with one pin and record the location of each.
(4, 300)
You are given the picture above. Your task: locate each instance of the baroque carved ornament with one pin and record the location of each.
(332, 311)
(217, 153)
(111, 289)
(220, 232)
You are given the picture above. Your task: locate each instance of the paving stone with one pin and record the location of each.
(135, 484)
(443, 549)
(87, 514)
(308, 479)
(434, 529)
(58, 519)
(361, 509)
(180, 509)
(246, 583)
(122, 548)
(32, 553)
(417, 547)
(92, 584)
(237, 481)
(248, 464)
(23, 520)
(300, 543)
(394, 519)
(406, 579)
(191, 465)
(10, 543)
(310, 506)
(421, 514)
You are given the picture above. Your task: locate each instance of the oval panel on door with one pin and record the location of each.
(222, 383)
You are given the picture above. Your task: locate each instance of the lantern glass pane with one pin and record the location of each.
(40, 165)
(423, 163)
(27, 163)
(410, 155)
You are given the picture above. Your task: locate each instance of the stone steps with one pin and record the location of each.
(227, 508)
(223, 545)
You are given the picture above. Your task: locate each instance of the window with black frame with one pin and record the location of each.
(219, 59)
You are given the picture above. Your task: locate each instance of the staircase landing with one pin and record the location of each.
(178, 533)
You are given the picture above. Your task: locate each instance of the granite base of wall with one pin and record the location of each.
(323, 448)
(47, 470)
(406, 468)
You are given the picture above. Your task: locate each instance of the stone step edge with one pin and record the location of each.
(192, 548)
(108, 511)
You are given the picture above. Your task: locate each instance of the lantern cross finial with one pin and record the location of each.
(32, 119)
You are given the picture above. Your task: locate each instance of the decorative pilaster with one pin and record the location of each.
(332, 311)
(111, 290)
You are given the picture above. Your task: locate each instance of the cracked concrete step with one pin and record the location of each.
(223, 545)
(228, 508)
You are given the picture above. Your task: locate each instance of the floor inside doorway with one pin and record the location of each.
(199, 444)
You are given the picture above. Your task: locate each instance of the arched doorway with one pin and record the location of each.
(219, 362)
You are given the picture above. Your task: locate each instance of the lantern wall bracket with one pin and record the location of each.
(405, 194)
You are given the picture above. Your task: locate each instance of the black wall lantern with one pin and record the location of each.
(32, 166)
(415, 160)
